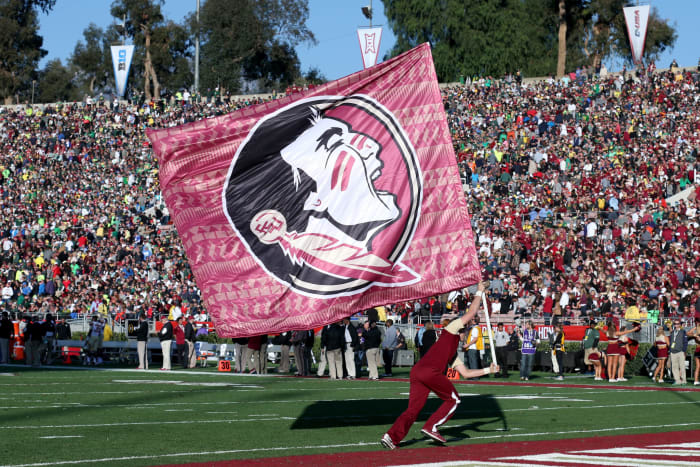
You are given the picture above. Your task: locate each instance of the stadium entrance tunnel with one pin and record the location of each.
(480, 413)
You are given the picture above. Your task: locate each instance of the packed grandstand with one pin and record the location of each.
(583, 194)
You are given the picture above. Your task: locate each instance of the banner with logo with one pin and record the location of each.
(369, 38)
(297, 212)
(637, 18)
(121, 59)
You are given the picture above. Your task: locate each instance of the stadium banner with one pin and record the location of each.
(370, 39)
(297, 212)
(121, 60)
(637, 18)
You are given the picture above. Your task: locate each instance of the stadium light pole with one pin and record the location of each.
(196, 54)
(367, 11)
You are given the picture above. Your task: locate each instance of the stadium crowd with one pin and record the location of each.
(568, 184)
(584, 192)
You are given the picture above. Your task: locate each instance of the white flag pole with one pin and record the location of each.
(489, 330)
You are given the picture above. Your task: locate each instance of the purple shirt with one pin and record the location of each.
(529, 337)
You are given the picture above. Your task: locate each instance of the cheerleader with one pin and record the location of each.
(597, 357)
(695, 332)
(662, 344)
(616, 350)
(623, 347)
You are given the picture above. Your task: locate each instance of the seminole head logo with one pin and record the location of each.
(325, 193)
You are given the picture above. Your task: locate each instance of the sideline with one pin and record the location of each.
(544, 384)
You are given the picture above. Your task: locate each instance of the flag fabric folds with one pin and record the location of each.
(297, 212)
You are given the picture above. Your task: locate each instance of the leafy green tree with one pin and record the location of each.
(538, 37)
(92, 58)
(253, 40)
(608, 33)
(314, 76)
(55, 83)
(171, 52)
(20, 45)
(162, 47)
(468, 37)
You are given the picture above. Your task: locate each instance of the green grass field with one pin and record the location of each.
(129, 417)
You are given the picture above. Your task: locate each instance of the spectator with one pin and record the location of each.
(240, 346)
(529, 340)
(252, 358)
(351, 344)
(180, 344)
(695, 334)
(284, 341)
(474, 345)
(556, 343)
(298, 341)
(33, 337)
(190, 338)
(7, 333)
(142, 342)
(93, 345)
(501, 340)
(165, 335)
(426, 337)
(678, 346)
(389, 344)
(333, 340)
(373, 338)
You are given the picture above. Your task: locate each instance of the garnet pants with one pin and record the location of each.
(423, 380)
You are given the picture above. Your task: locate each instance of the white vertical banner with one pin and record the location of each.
(637, 19)
(369, 38)
(121, 59)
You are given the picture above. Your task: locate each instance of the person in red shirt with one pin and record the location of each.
(179, 334)
(429, 375)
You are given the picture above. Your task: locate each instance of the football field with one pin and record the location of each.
(85, 416)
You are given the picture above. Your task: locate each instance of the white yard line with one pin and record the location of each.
(595, 430)
(594, 460)
(296, 401)
(170, 422)
(61, 437)
(671, 451)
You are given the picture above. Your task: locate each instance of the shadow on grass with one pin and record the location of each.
(477, 410)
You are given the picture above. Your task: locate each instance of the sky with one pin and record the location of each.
(334, 23)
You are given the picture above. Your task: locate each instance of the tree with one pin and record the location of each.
(20, 44)
(595, 30)
(92, 58)
(254, 40)
(171, 51)
(314, 76)
(538, 37)
(468, 37)
(55, 83)
(609, 33)
(142, 19)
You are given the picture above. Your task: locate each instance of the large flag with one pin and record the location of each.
(637, 19)
(300, 211)
(370, 39)
(121, 60)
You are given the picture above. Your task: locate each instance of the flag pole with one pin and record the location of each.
(488, 328)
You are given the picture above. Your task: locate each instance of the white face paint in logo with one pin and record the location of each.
(325, 194)
(344, 165)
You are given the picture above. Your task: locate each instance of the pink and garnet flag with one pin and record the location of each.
(297, 212)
